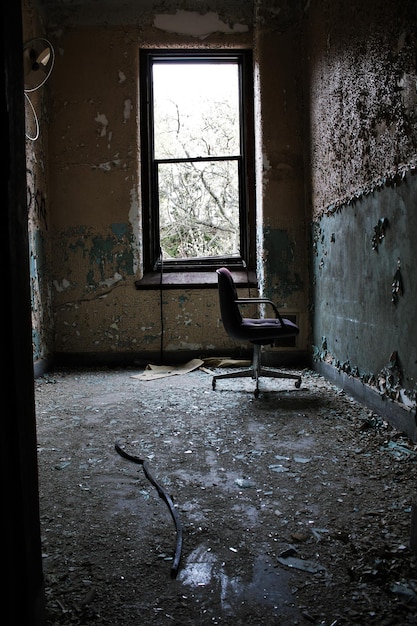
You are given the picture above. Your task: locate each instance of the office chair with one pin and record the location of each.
(259, 331)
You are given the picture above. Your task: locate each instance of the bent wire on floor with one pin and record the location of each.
(162, 494)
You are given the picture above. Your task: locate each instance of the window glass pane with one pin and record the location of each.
(196, 110)
(198, 209)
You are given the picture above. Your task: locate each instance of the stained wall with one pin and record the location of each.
(336, 146)
(282, 217)
(361, 71)
(37, 191)
(94, 205)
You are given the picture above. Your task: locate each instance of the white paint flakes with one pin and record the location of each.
(112, 280)
(103, 121)
(266, 162)
(127, 110)
(197, 25)
(63, 285)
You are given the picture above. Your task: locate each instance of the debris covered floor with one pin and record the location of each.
(295, 507)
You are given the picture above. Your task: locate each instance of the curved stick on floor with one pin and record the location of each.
(167, 499)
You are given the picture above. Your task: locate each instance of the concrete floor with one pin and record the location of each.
(294, 506)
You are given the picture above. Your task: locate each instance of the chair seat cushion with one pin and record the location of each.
(266, 330)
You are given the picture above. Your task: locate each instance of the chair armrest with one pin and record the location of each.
(260, 301)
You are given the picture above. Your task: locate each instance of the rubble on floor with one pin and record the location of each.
(295, 507)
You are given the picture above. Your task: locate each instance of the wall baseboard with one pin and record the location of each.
(290, 358)
(398, 415)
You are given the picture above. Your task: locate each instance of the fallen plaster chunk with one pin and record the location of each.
(304, 565)
(289, 558)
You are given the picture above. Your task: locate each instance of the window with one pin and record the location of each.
(197, 159)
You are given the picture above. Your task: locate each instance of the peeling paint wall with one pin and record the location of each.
(363, 151)
(93, 189)
(336, 142)
(89, 255)
(37, 178)
(363, 98)
(282, 236)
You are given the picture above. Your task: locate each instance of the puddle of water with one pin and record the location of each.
(200, 569)
(269, 585)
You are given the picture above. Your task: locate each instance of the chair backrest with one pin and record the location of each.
(229, 310)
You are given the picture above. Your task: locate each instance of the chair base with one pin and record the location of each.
(256, 371)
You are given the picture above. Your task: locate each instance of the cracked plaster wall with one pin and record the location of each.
(363, 151)
(363, 100)
(335, 105)
(282, 238)
(93, 191)
(37, 175)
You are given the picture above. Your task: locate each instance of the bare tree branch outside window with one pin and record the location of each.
(197, 151)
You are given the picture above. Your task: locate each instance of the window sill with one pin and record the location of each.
(192, 280)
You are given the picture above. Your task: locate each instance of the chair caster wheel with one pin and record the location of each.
(298, 384)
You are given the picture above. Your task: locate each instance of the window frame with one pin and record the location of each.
(150, 210)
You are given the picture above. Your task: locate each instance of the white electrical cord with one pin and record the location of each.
(45, 57)
(35, 117)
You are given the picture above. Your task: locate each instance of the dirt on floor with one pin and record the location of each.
(293, 507)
